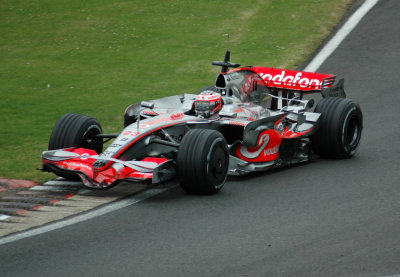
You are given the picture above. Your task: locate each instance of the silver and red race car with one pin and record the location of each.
(254, 118)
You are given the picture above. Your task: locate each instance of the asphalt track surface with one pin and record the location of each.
(323, 218)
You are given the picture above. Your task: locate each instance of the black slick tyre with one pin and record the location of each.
(339, 128)
(202, 161)
(76, 130)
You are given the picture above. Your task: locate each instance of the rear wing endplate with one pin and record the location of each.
(334, 91)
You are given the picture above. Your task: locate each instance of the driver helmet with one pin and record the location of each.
(208, 103)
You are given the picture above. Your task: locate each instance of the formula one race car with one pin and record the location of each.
(254, 118)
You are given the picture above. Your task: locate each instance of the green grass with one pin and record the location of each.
(96, 57)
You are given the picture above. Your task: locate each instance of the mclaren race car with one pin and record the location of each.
(254, 118)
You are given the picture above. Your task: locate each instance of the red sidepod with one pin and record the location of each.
(268, 143)
(267, 148)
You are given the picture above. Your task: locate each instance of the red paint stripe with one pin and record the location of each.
(48, 194)
(17, 183)
(21, 212)
(37, 207)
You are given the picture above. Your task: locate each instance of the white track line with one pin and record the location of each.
(3, 216)
(331, 46)
(325, 52)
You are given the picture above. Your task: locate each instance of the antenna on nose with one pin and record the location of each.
(227, 41)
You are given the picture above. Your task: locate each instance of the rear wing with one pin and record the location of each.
(295, 80)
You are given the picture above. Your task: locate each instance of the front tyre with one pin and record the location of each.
(340, 126)
(76, 130)
(202, 161)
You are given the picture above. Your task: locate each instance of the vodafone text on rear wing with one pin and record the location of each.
(294, 80)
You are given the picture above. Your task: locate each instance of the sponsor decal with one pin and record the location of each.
(84, 156)
(144, 126)
(154, 121)
(76, 164)
(140, 175)
(177, 116)
(115, 145)
(208, 97)
(262, 143)
(149, 112)
(271, 151)
(267, 148)
(291, 79)
(237, 123)
(131, 133)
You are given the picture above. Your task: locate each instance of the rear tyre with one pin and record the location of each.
(340, 126)
(202, 162)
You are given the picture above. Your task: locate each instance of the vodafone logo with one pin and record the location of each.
(262, 143)
(208, 97)
(291, 80)
(84, 156)
(76, 165)
(266, 150)
(271, 151)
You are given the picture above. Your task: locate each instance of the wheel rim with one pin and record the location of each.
(89, 140)
(217, 164)
(352, 136)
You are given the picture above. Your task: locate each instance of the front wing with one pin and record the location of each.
(80, 161)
